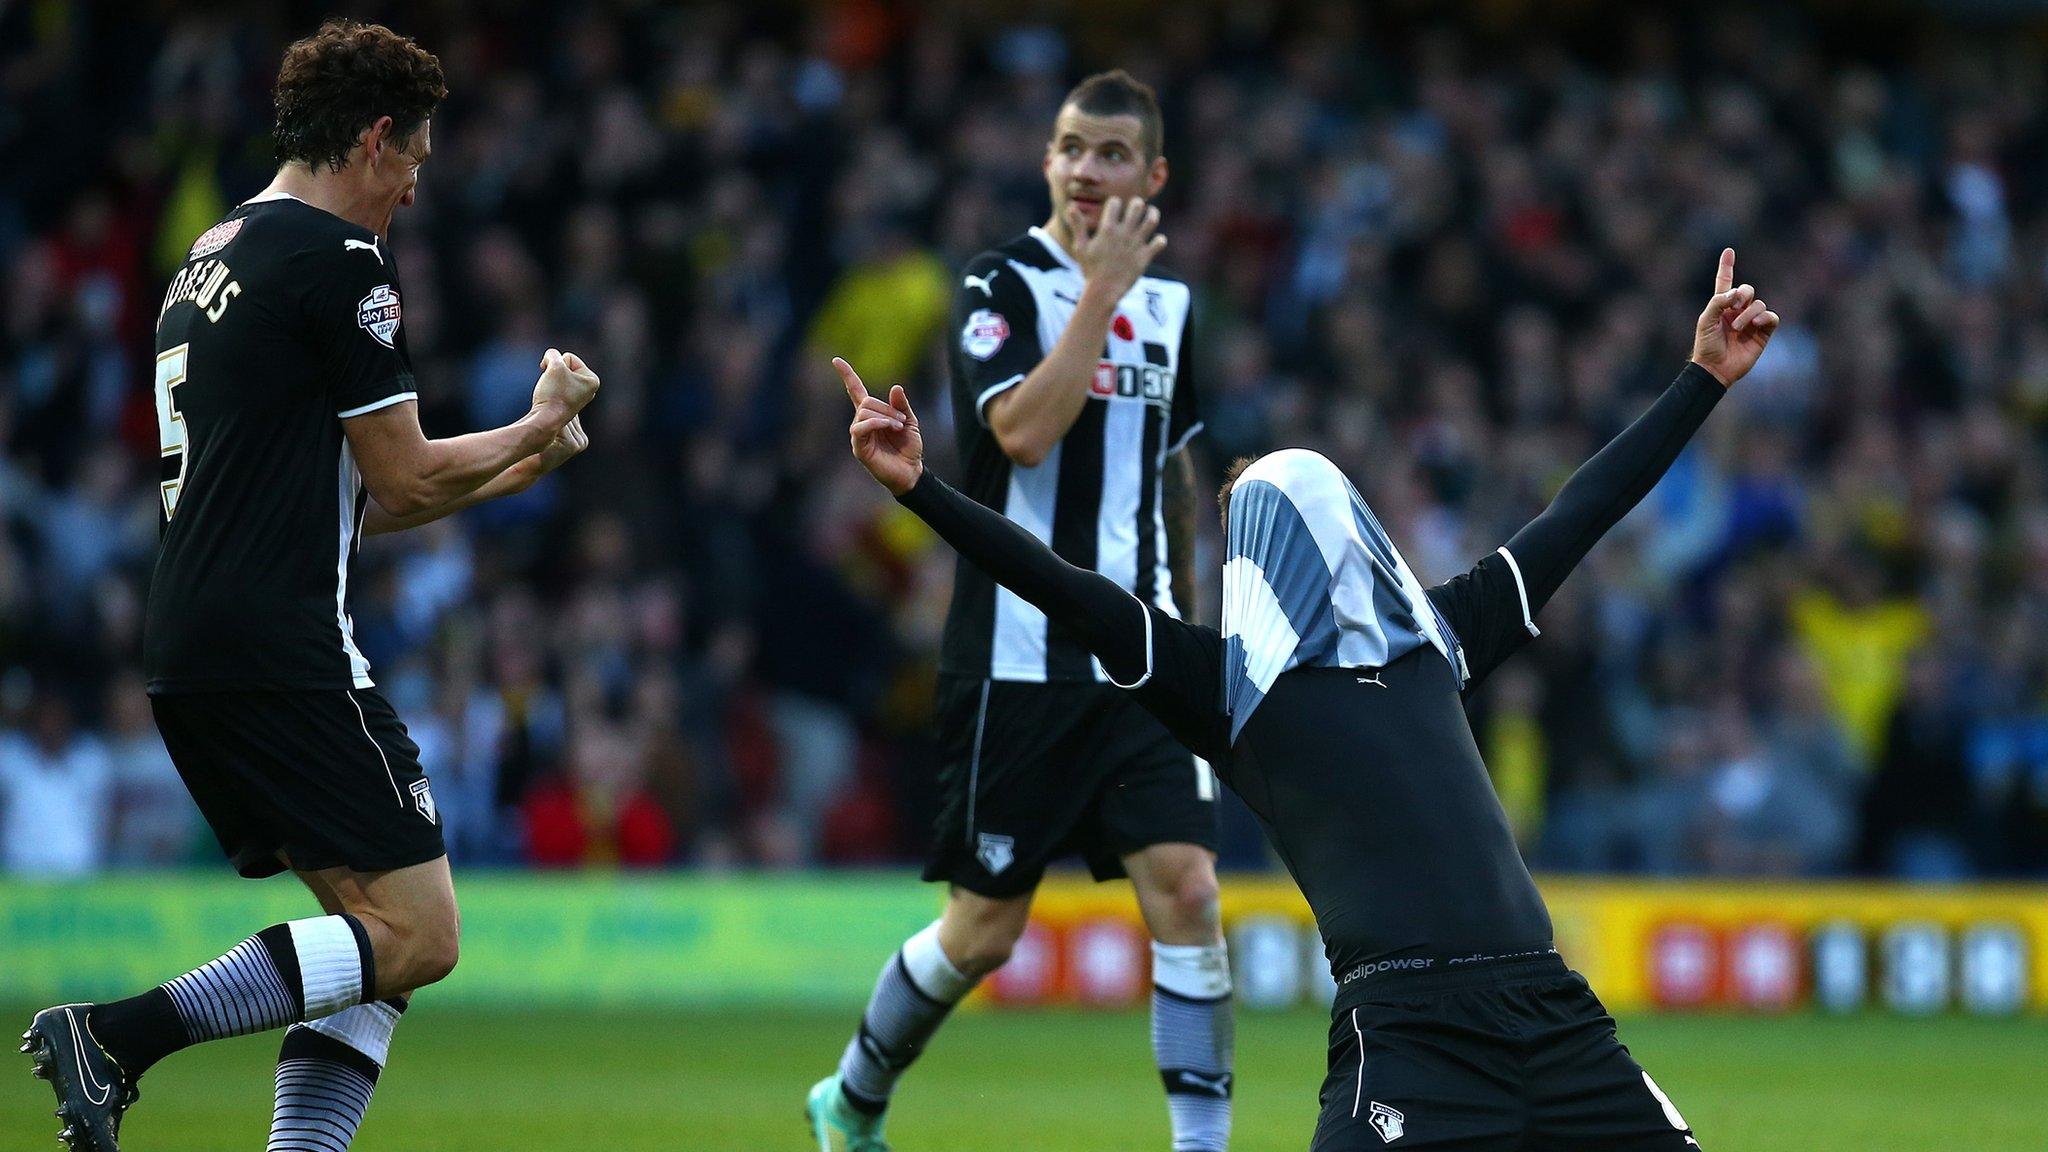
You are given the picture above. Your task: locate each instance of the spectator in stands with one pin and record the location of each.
(152, 817)
(56, 793)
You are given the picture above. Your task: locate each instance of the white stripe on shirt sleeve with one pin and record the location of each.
(991, 392)
(1140, 681)
(375, 405)
(1521, 591)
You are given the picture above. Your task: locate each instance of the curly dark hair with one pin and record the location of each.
(337, 82)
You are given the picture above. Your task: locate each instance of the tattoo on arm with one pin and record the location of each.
(1179, 482)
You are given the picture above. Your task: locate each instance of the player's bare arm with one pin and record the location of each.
(1032, 417)
(408, 475)
(1099, 179)
(566, 445)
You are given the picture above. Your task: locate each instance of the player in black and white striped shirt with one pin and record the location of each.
(1075, 405)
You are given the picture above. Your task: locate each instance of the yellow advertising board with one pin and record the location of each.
(1626, 935)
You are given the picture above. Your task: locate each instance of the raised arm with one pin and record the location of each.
(414, 479)
(524, 474)
(1493, 607)
(1109, 621)
(1615, 480)
(1030, 418)
(1172, 669)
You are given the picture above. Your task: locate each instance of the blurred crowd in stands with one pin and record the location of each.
(1453, 252)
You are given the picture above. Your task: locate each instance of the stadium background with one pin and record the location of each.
(1783, 750)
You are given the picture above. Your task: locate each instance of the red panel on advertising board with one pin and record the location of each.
(1764, 965)
(1032, 975)
(1108, 963)
(1685, 966)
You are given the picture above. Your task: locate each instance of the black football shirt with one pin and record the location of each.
(282, 323)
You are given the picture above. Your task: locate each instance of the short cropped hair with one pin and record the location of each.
(337, 82)
(1230, 476)
(1118, 93)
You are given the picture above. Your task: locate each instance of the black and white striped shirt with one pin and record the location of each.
(1097, 497)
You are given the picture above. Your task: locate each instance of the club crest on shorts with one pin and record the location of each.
(377, 314)
(423, 799)
(995, 852)
(1387, 1122)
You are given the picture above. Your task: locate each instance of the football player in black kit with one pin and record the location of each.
(284, 395)
(1331, 700)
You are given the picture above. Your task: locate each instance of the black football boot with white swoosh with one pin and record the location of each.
(92, 1090)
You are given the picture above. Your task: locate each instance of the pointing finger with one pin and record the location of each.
(855, 390)
(1724, 276)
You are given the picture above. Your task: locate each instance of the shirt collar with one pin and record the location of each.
(1053, 246)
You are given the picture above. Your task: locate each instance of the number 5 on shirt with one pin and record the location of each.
(170, 426)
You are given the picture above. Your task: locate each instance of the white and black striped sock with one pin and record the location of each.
(1194, 1042)
(284, 974)
(301, 970)
(326, 1072)
(918, 987)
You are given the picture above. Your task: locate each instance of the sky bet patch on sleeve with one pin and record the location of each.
(984, 334)
(378, 314)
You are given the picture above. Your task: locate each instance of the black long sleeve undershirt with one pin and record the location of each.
(1484, 605)
(1109, 621)
(1614, 481)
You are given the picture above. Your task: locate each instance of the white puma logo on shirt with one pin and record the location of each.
(369, 246)
(983, 282)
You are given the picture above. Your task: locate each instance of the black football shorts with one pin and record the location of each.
(1029, 773)
(327, 778)
(1515, 1056)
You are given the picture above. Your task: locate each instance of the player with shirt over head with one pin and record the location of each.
(1075, 403)
(284, 396)
(1331, 700)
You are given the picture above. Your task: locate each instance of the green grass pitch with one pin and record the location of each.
(468, 1080)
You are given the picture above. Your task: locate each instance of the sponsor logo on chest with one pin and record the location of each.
(1137, 359)
(1151, 383)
